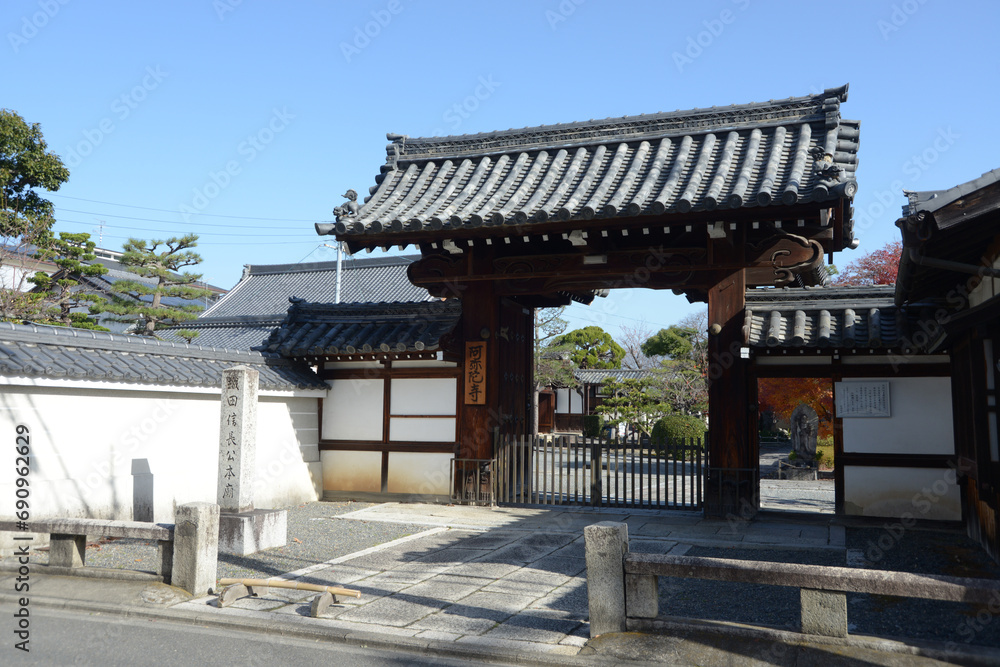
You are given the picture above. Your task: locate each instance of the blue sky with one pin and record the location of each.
(245, 121)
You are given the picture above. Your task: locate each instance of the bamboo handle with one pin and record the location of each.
(297, 585)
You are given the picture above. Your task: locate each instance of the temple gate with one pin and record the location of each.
(703, 202)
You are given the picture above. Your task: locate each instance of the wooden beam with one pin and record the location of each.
(774, 261)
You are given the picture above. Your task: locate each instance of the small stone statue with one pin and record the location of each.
(350, 208)
(804, 426)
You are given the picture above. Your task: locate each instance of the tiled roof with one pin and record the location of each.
(934, 200)
(59, 352)
(323, 329)
(832, 317)
(266, 288)
(597, 376)
(948, 238)
(741, 156)
(242, 332)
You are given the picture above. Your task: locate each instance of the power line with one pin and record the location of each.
(231, 243)
(172, 231)
(167, 210)
(169, 222)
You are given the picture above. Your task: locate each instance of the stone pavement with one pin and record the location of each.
(487, 584)
(493, 577)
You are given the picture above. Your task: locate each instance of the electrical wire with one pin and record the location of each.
(164, 210)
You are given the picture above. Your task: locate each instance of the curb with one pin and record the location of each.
(300, 628)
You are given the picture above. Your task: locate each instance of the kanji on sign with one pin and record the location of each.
(475, 373)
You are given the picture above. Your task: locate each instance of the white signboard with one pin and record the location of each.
(863, 399)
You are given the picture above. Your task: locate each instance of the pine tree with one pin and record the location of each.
(60, 292)
(159, 261)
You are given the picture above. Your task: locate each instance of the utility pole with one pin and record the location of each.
(340, 251)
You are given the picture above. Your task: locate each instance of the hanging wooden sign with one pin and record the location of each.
(475, 373)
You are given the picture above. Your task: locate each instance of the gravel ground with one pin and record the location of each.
(315, 535)
(917, 551)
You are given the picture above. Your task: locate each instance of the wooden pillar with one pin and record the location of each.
(732, 488)
(480, 322)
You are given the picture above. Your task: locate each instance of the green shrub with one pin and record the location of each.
(673, 428)
(591, 425)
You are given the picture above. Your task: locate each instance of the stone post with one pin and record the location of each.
(823, 612)
(237, 439)
(196, 547)
(243, 529)
(606, 544)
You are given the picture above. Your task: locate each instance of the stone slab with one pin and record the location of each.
(435, 635)
(534, 627)
(246, 533)
(447, 588)
(398, 610)
(336, 575)
(528, 582)
(569, 567)
(489, 570)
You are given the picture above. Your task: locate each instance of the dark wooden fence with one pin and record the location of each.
(598, 472)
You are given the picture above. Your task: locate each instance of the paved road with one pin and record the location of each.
(67, 638)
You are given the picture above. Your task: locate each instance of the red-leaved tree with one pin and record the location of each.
(879, 267)
(782, 395)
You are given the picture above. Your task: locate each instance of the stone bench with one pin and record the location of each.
(623, 587)
(68, 538)
(187, 551)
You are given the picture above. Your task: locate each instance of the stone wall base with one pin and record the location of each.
(249, 532)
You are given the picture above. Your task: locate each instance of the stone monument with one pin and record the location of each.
(242, 528)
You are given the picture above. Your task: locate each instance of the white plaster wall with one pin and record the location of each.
(920, 423)
(562, 401)
(16, 277)
(417, 472)
(423, 396)
(402, 429)
(84, 440)
(353, 410)
(352, 471)
(918, 493)
(569, 401)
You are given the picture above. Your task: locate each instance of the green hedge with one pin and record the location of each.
(591, 425)
(675, 427)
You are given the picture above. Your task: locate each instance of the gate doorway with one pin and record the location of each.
(600, 472)
(795, 427)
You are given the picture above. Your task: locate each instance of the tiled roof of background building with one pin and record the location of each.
(599, 375)
(266, 288)
(833, 317)
(319, 329)
(235, 333)
(59, 352)
(751, 155)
